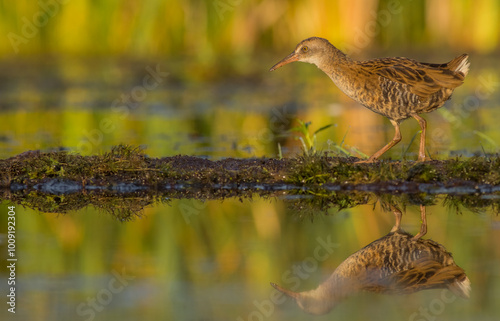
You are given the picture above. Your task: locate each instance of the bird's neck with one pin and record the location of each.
(326, 296)
(338, 66)
(335, 63)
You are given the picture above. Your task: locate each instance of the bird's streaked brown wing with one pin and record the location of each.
(426, 273)
(422, 80)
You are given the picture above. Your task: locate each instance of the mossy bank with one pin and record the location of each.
(126, 164)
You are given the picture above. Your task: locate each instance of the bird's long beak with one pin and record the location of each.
(291, 294)
(288, 59)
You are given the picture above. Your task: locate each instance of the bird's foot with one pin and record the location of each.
(423, 226)
(423, 158)
(366, 161)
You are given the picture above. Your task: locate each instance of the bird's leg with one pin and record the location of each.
(423, 226)
(394, 141)
(423, 126)
(397, 216)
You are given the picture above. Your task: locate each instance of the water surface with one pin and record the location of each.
(87, 106)
(214, 260)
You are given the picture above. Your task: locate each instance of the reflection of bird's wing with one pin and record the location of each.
(422, 79)
(425, 273)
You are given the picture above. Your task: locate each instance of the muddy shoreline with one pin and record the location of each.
(62, 181)
(129, 166)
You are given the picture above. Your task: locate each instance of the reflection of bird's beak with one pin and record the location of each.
(288, 59)
(291, 294)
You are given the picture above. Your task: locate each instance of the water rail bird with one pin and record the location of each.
(397, 88)
(397, 263)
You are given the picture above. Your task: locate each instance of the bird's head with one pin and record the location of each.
(312, 50)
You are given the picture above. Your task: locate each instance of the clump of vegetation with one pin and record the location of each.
(36, 166)
(307, 139)
(485, 170)
(124, 180)
(130, 164)
(423, 172)
(309, 142)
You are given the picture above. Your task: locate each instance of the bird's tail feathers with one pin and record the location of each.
(460, 64)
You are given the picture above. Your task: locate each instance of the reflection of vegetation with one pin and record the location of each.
(305, 202)
(121, 207)
(310, 203)
(473, 202)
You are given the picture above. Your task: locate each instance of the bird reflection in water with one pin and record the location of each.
(397, 263)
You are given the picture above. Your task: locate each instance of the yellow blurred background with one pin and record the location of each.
(208, 29)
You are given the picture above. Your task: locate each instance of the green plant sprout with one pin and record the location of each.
(308, 141)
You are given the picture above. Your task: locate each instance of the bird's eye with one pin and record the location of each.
(305, 49)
